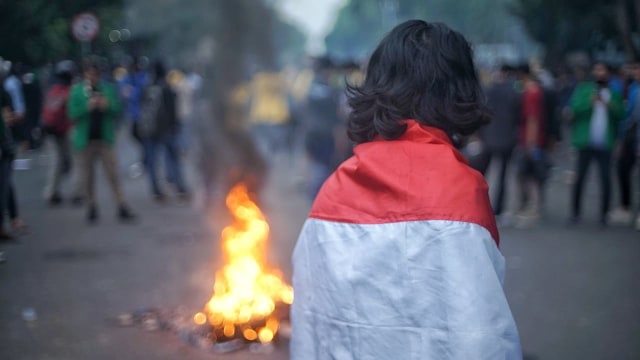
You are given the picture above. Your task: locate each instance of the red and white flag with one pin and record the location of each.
(399, 259)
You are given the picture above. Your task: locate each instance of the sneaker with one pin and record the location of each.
(126, 215)
(92, 215)
(5, 236)
(620, 216)
(573, 220)
(159, 197)
(184, 196)
(55, 200)
(77, 201)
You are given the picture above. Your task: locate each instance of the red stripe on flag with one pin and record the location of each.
(419, 176)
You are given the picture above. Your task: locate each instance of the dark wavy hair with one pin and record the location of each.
(421, 71)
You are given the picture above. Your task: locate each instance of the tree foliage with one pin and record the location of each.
(573, 25)
(361, 23)
(38, 31)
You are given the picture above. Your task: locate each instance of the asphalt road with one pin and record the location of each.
(575, 292)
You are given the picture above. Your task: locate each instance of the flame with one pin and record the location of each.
(245, 292)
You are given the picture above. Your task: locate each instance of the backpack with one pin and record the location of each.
(151, 111)
(54, 114)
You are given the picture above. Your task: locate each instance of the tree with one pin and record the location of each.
(39, 31)
(362, 23)
(575, 25)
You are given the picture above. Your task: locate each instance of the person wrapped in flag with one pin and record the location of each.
(399, 256)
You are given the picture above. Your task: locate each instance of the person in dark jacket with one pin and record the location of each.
(7, 154)
(160, 128)
(500, 137)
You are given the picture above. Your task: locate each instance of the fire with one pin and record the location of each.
(245, 292)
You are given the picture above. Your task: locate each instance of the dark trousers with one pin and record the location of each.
(173, 166)
(625, 169)
(505, 159)
(603, 159)
(7, 193)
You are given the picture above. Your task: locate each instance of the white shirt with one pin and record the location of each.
(600, 120)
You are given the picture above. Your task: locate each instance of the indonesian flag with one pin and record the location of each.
(399, 259)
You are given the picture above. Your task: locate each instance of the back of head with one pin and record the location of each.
(421, 71)
(64, 71)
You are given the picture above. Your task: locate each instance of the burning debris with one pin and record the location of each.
(250, 302)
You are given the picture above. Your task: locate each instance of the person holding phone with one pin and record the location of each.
(93, 106)
(598, 110)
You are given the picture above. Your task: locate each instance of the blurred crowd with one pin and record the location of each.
(588, 115)
(75, 110)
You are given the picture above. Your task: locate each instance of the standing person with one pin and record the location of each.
(31, 87)
(93, 106)
(159, 128)
(269, 113)
(189, 94)
(132, 89)
(321, 120)
(634, 118)
(13, 86)
(56, 127)
(597, 111)
(532, 166)
(501, 135)
(399, 257)
(7, 154)
(625, 151)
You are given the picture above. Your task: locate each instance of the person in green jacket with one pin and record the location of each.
(93, 106)
(597, 112)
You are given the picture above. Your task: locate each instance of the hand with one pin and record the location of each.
(93, 102)
(103, 103)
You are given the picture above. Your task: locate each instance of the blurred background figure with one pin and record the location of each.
(625, 150)
(188, 89)
(56, 125)
(93, 106)
(321, 118)
(500, 137)
(33, 97)
(269, 113)
(7, 154)
(132, 89)
(597, 111)
(14, 87)
(532, 166)
(159, 129)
